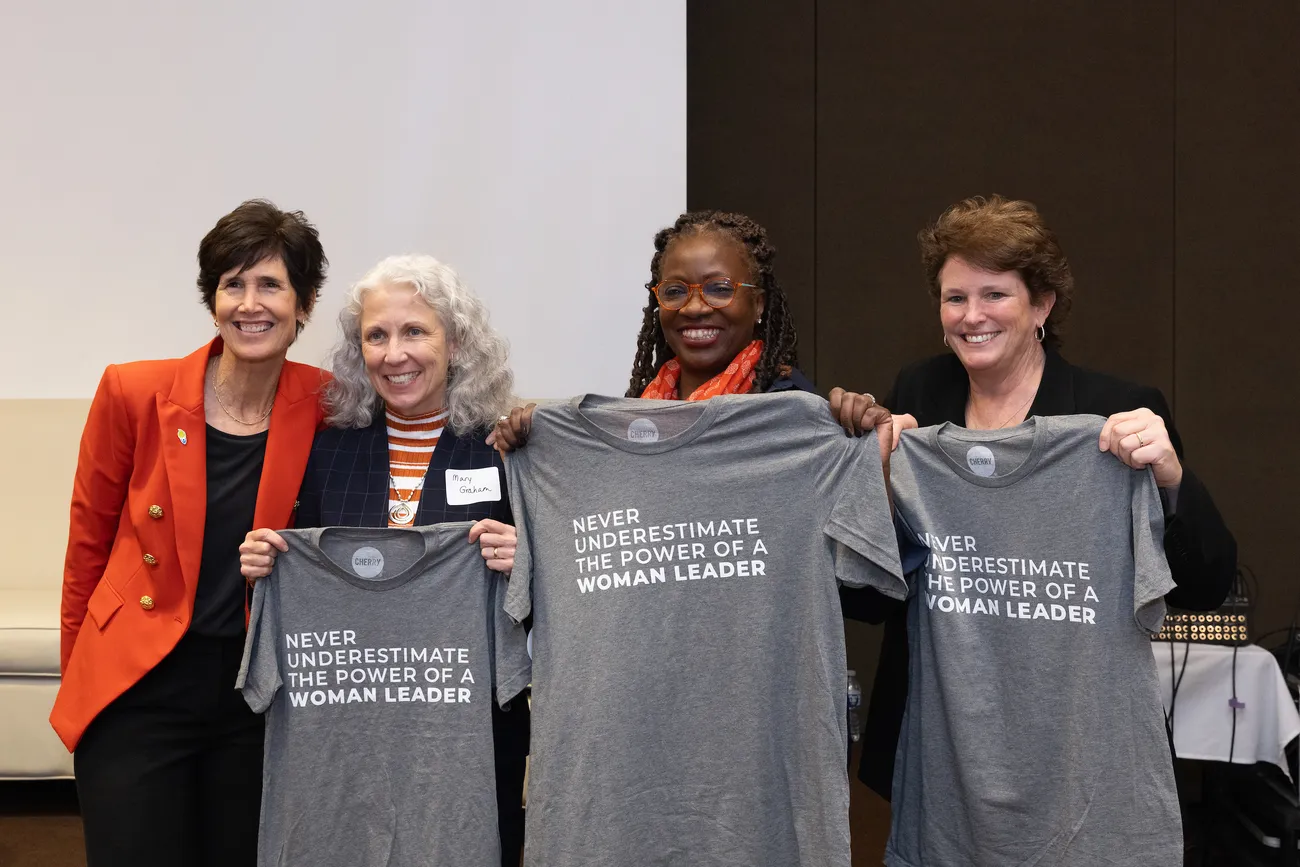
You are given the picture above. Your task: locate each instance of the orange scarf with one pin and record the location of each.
(738, 378)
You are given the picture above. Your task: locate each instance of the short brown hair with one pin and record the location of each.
(258, 230)
(998, 234)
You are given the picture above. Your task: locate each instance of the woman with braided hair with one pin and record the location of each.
(716, 322)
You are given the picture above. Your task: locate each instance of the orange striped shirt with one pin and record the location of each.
(411, 442)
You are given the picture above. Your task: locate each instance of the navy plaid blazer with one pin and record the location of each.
(346, 482)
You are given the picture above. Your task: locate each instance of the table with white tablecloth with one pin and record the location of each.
(1266, 718)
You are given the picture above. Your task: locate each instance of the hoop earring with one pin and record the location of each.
(1040, 333)
(945, 341)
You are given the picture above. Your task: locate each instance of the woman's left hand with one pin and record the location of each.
(511, 431)
(496, 542)
(1139, 438)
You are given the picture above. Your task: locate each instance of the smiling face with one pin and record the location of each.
(988, 317)
(705, 339)
(406, 350)
(257, 311)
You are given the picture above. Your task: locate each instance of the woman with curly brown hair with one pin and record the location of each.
(1003, 287)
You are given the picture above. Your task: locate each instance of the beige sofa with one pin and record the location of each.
(39, 459)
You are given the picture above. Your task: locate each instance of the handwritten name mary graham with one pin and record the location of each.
(468, 484)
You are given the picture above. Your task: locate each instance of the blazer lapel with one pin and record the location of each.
(288, 444)
(184, 446)
(435, 477)
(950, 403)
(377, 480)
(1056, 389)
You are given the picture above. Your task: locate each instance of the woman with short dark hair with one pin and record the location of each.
(179, 459)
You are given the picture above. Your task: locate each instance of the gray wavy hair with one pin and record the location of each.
(479, 379)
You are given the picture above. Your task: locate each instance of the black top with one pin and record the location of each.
(234, 470)
(1202, 553)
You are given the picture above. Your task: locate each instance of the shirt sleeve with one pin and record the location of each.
(259, 672)
(866, 549)
(518, 602)
(1151, 576)
(912, 550)
(511, 665)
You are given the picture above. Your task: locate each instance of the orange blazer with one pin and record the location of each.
(139, 502)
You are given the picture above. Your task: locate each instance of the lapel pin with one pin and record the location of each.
(180, 435)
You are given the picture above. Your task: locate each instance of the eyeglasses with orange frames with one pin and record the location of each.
(717, 293)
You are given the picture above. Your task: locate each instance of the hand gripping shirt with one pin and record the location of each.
(1034, 731)
(680, 563)
(375, 654)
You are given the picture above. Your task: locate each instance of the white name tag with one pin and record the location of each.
(473, 486)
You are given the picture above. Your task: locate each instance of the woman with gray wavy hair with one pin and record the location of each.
(420, 376)
(477, 379)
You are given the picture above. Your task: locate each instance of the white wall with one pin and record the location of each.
(535, 147)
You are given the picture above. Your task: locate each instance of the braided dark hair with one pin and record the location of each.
(777, 329)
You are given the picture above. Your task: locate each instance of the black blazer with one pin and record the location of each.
(346, 481)
(1201, 552)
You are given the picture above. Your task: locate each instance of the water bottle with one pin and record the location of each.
(855, 702)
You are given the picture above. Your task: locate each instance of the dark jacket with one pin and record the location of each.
(1201, 551)
(793, 381)
(346, 481)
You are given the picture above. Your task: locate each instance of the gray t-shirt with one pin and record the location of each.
(1034, 731)
(376, 654)
(680, 563)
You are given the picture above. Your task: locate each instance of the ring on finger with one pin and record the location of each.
(1141, 441)
(494, 552)
(871, 398)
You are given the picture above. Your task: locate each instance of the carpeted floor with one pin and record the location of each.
(40, 827)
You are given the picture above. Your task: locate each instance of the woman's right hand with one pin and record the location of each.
(258, 552)
(511, 431)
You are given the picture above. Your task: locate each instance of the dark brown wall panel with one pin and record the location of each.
(1067, 104)
(749, 143)
(1161, 140)
(1238, 263)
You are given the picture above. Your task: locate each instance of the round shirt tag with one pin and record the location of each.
(367, 562)
(981, 462)
(643, 430)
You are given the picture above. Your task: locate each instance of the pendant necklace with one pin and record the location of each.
(401, 511)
